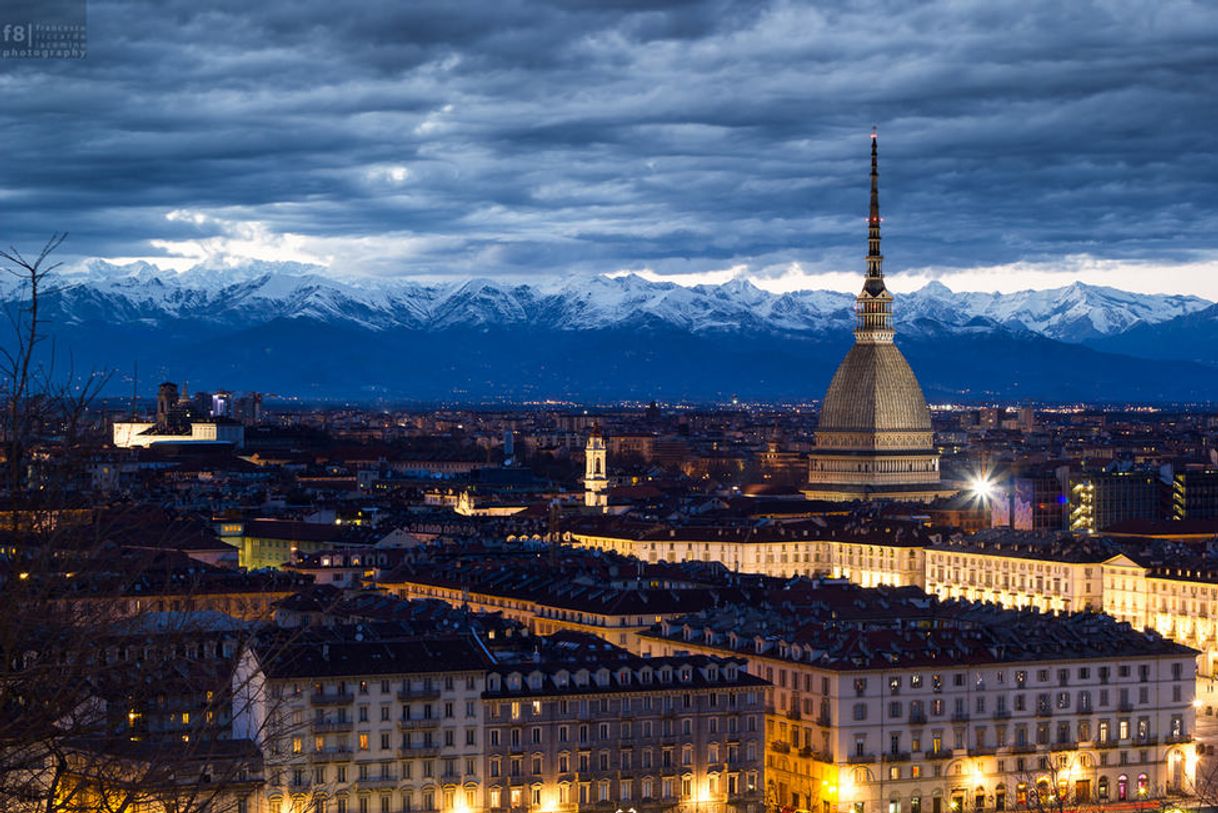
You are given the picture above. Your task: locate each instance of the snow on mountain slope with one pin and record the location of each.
(1076, 313)
(258, 292)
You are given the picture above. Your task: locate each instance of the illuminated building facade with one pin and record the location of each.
(1178, 602)
(909, 720)
(1048, 576)
(349, 727)
(874, 438)
(206, 432)
(1033, 502)
(1100, 500)
(672, 734)
(1194, 494)
(871, 557)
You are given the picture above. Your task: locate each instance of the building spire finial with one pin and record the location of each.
(875, 181)
(875, 260)
(873, 307)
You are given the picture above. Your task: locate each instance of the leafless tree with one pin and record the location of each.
(105, 705)
(19, 358)
(109, 703)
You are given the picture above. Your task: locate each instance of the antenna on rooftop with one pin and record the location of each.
(135, 386)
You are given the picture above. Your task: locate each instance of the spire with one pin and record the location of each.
(873, 306)
(875, 260)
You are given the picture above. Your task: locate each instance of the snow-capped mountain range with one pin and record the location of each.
(297, 329)
(260, 292)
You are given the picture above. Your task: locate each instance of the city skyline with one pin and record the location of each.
(638, 406)
(1027, 147)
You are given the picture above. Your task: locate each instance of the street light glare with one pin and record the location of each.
(983, 488)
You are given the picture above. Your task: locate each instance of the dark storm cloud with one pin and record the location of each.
(522, 137)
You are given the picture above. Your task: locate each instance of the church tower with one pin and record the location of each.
(874, 438)
(596, 481)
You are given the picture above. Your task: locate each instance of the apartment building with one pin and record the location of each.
(1179, 602)
(950, 706)
(1041, 570)
(867, 553)
(365, 727)
(616, 731)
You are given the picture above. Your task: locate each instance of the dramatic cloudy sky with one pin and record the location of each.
(1023, 144)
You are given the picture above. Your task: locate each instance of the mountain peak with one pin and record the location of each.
(935, 287)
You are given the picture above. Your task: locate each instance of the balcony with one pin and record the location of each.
(1124, 705)
(1044, 711)
(960, 717)
(942, 753)
(332, 755)
(824, 720)
(861, 759)
(1084, 710)
(1107, 744)
(917, 717)
(419, 724)
(1141, 742)
(1175, 739)
(419, 751)
(1024, 748)
(982, 750)
(378, 782)
(332, 726)
(323, 699)
(897, 756)
(794, 714)
(406, 695)
(1002, 714)
(780, 747)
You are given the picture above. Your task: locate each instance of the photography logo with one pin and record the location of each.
(42, 29)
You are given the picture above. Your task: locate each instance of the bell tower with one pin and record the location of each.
(596, 481)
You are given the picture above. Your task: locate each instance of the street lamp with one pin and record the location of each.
(982, 487)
